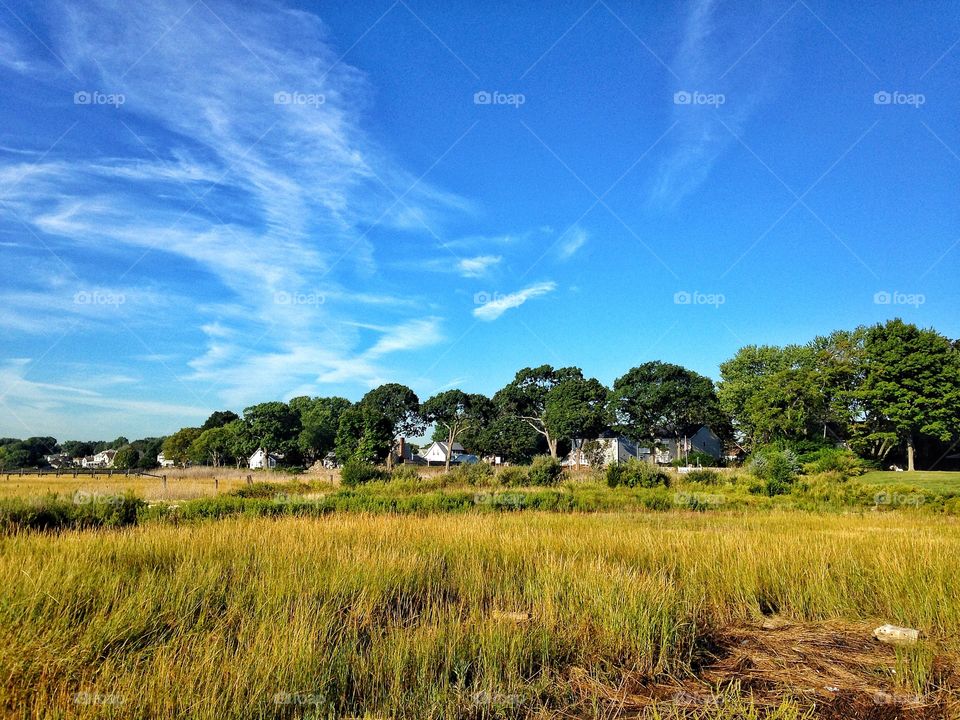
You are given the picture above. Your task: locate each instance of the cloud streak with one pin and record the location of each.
(501, 303)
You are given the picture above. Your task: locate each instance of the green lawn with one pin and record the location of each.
(935, 482)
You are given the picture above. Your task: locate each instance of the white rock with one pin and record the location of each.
(894, 635)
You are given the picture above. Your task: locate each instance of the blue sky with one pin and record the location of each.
(205, 204)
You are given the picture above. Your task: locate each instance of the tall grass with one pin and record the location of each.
(479, 615)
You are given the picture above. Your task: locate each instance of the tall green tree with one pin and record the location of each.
(212, 446)
(274, 426)
(527, 398)
(177, 446)
(910, 390)
(219, 418)
(660, 399)
(772, 393)
(576, 409)
(390, 411)
(319, 420)
(454, 412)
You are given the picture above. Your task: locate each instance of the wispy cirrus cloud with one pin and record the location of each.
(501, 303)
(575, 239)
(478, 266)
(721, 85)
(203, 170)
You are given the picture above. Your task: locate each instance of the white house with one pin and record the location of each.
(703, 440)
(259, 460)
(163, 462)
(103, 459)
(608, 451)
(437, 453)
(615, 450)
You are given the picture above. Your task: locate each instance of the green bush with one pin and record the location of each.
(356, 472)
(474, 474)
(405, 473)
(84, 510)
(636, 473)
(706, 477)
(838, 460)
(777, 467)
(545, 470)
(696, 458)
(512, 476)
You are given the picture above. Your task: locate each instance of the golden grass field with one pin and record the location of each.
(670, 614)
(181, 484)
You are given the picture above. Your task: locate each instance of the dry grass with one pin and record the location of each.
(529, 615)
(181, 483)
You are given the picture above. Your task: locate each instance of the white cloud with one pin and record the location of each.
(501, 303)
(477, 266)
(215, 177)
(575, 239)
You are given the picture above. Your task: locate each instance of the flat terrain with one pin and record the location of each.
(500, 615)
(935, 482)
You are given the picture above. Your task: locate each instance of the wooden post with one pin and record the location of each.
(216, 483)
(249, 479)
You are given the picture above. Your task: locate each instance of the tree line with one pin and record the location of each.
(885, 391)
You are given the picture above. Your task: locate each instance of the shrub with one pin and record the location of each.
(707, 477)
(636, 473)
(776, 467)
(512, 476)
(838, 460)
(697, 458)
(405, 473)
(356, 472)
(545, 470)
(474, 474)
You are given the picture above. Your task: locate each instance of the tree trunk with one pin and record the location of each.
(446, 462)
(910, 452)
(552, 444)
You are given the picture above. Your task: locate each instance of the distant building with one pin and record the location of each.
(617, 449)
(58, 460)
(102, 459)
(163, 462)
(259, 460)
(437, 453)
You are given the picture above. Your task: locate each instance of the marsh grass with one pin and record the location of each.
(447, 616)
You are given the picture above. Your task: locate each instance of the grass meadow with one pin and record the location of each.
(499, 615)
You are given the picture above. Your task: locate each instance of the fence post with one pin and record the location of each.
(249, 479)
(216, 483)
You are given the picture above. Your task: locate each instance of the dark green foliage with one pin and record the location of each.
(838, 460)
(474, 474)
(513, 476)
(545, 470)
(84, 510)
(356, 472)
(705, 477)
(636, 473)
